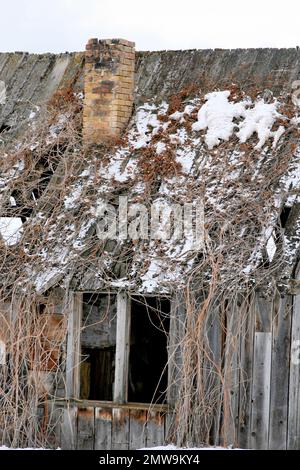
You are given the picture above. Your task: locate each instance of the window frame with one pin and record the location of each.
(73, 359)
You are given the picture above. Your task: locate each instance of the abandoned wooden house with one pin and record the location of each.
(150, 242)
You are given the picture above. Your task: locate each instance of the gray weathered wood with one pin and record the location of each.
(263, 314)
(177, 322)
(85, 428)
(68, 430)
(261, 390)
(138, 427)
(231, 376)
(103, 428)
(54, 422)
(293, 441)
(280, 372)
(73, 345)
(170, 427)
(212, 369)
(99, 323)
(122, 348)
(120, 429)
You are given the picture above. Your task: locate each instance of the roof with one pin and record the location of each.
(32, 78)
(213, 131)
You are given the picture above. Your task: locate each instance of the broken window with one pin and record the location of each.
(98, 345)
(148, 375)
(144, 368)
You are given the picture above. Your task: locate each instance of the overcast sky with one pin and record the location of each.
(61, 25)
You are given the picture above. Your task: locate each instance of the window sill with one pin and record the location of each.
(110, 404)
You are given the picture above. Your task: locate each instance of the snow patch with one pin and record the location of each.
(2, 92)
(271, 248)
(11, 229)
(217, 116)
(260, 120)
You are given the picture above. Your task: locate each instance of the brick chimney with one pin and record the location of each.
(109, 87)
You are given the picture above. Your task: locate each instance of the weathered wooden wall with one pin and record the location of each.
(257, 346)
(261, 370)
(106, 426)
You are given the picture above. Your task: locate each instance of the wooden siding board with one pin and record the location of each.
(155, 429)
(85, 428)
(138, 429)
(293, 442)
(246, 372)
(103, 428)
(213, 368)
(68, 430)
(177, 322)
(170, 427)
(73, 345)
(122, 348)
(280, 373)
(55, 419)
(120, 429)
(231, 376)
(263, 314)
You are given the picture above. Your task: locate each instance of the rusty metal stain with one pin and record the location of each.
(86, 412)
(156, 417)
(139, 416)
(120, 416)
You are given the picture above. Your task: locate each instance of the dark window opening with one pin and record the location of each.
(97, 373)
(41, 308)
(284, 215)
(148, 374)
(98, 345)
(40, 177)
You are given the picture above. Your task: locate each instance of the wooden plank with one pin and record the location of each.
(103, 428)
(246, 372)
(170, 427)
(261, 390)
(99, 322)
(177, 329)
(54, 425)
(73, 346)
(155, 429)
(85, 428)
(122, 348)
(69, 428)
(281, 336)
(120, 429)
(137, 427)
(263, 314)
(109, 404)
(212, 369)
(231, 376)
(293, 442)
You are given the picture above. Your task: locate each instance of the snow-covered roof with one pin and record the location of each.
(231, 152)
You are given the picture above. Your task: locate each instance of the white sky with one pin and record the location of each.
(60, 25)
